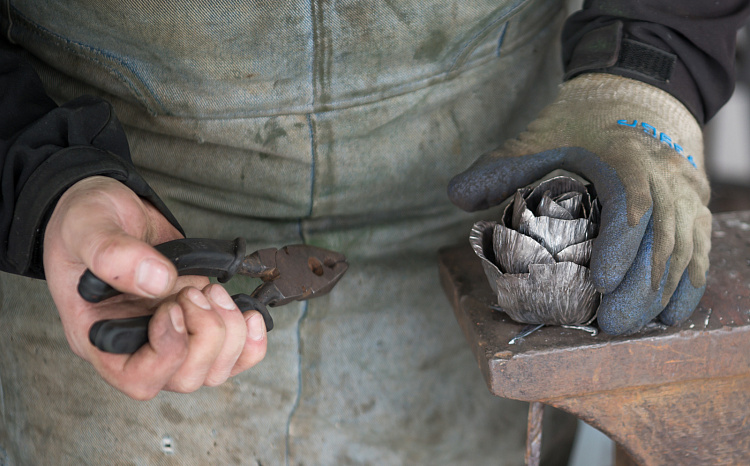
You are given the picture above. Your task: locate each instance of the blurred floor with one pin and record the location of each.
(591, 447)
(728, 153)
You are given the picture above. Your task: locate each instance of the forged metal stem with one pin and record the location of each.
(534, 434)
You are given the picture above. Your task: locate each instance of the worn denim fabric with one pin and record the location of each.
(334, 123)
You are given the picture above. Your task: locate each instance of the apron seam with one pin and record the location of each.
(95, 55)
(313, 153)
(501, 40)
(470, 45)
(293, 411)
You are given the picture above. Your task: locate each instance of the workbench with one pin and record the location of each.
(666, 395)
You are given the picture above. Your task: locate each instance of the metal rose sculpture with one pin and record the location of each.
(536, 258)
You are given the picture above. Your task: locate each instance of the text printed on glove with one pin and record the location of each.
(652, 131)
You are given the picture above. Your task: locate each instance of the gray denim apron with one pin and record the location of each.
(334, 123)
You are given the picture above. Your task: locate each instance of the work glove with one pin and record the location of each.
(643, 152)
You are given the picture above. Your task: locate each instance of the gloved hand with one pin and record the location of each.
(643, 152)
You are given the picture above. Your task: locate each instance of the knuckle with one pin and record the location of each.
(186, 384)
(140, 393)
(104, 252)
(252, 358)
(145, 395)
(214, 327)
(215, 381)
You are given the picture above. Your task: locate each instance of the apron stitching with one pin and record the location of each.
(319, 83)
(299, 384)
(473, 42)
(322, 62)
(311, 127)
(501, 39)
(2, 404)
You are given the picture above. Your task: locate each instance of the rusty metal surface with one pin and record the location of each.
(714, 342)
(698, 422)
(659, 393)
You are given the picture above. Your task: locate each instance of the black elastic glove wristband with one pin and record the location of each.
(606, 50)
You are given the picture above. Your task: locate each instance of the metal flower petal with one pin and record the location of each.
(557, 294)
(578, 253)
(549, 208)
(555, 234)
(514, 252)
(536, 258)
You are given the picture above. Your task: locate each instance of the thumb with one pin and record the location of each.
(104, 225)
(128, 264)
(497, 175)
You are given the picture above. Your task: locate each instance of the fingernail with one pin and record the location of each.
(197, 298)
(256, 327)
(152, 277)
(219, 296)
(178, 322)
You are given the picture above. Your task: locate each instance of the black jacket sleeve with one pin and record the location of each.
(686, 47)
(46, 148)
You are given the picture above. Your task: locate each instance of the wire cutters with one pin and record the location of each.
(292, 273)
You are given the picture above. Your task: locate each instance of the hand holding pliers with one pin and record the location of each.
(292, 273)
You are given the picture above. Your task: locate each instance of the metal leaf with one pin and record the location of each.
(520, 211)
(596, 212)
(556, 186)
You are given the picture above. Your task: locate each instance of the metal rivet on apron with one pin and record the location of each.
(167, 446)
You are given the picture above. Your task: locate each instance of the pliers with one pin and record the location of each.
(291, 273)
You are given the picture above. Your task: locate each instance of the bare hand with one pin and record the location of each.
(197, 335)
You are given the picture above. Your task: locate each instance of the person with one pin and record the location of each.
(337, 124)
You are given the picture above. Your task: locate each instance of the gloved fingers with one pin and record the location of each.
(683, 302)
(682, 252)
(701, 247)
(634, 302)
(692, 284)
(664, 216)
(620, 235)
(497, 175)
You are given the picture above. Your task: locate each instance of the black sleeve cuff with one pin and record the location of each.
(607, 50)
(44, 188)
(684, 47)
